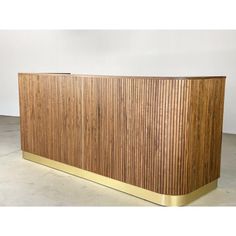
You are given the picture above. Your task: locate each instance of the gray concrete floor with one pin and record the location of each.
(24, 183)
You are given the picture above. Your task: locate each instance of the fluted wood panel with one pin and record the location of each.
(204, 135)
(50, 113)
(161, 134)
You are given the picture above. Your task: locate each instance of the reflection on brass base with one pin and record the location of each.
(161, 199)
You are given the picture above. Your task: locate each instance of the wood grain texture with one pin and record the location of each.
(159, 133)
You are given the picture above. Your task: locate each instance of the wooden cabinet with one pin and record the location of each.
(158, 138)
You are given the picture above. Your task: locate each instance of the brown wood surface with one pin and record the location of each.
(161, 134)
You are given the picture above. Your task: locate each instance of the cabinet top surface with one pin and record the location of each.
(125, 76)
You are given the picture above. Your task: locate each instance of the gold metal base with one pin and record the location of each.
(161, 199)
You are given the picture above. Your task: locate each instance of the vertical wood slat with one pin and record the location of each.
(161, 134)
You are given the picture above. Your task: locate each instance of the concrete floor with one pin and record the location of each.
(23, 183)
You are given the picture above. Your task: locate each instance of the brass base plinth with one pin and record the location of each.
(161, 199)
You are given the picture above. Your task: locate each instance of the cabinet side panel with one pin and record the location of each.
(205, 131)
(50, 114)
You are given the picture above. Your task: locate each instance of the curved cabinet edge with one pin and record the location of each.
(157, 198)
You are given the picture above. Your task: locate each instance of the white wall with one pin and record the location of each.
(119, 53)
